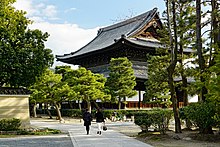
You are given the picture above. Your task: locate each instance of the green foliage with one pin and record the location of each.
(72, 113)
(159, 118)
(213, 85)
(201, 114)
(78, 113)
(157, 88)
(62, 70)
(50, 88)
(10, 124)
(44, 131)
(87, 85)
(143, 119)
(107, 113)
(121, 80)
(22, 51)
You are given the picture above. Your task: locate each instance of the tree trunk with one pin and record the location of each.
(199, 48)
(215, 23)
(34, 110)
(172, 66)
(59, 117)
(174, 101)
(184, 78)
(215, 31)
(89, 106)
(48, 112)
(119, 103)
(70, 104)
(80, 107)
(96, 105)
(204, 90)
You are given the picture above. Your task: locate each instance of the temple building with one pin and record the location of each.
(132, 38)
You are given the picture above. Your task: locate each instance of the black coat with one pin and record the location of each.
(99, 117)
(87, 117)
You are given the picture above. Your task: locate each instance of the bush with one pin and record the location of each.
(143, 119)
(71, 112)
(159, 118)
(10, 124)
(108, 113)
(202, 115)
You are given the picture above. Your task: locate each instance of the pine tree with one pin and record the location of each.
(121, 80)
(87, 85)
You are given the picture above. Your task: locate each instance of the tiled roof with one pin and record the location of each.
(14, 91)
(107, 36)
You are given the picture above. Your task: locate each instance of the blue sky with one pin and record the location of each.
(73, 23)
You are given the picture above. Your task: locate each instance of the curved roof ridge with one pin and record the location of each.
(85, 44)
(130, 20)
(147, 19)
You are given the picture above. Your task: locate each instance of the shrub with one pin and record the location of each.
(143, 119)
(108, 113)
(159, 118)
(71, 112)
(202, 115)
(10, 124)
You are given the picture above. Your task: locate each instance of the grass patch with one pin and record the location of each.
(41, 131)
(7, 136)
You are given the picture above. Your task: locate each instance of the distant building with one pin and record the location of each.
(132, 38)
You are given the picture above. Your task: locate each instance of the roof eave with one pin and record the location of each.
(138, 28)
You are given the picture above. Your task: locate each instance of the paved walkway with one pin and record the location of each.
(76, 136)
(109, 138)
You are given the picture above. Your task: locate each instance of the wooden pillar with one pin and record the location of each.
(139, 101)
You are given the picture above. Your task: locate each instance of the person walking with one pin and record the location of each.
(99, 120)
(87, 117)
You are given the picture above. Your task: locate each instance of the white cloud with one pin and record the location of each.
(69, 10)
(25, 5)
(50, 11)
(39, 10)
(64, 38)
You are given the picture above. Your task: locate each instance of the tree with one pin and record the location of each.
(22, 51)
(207, 53)
(199, 48)
(87, 85)
(158, 62)
(157, 88)
(50, 88)
(186, 37)
(173, 62)
(36, 97)
(121, 80)
(213, 85)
